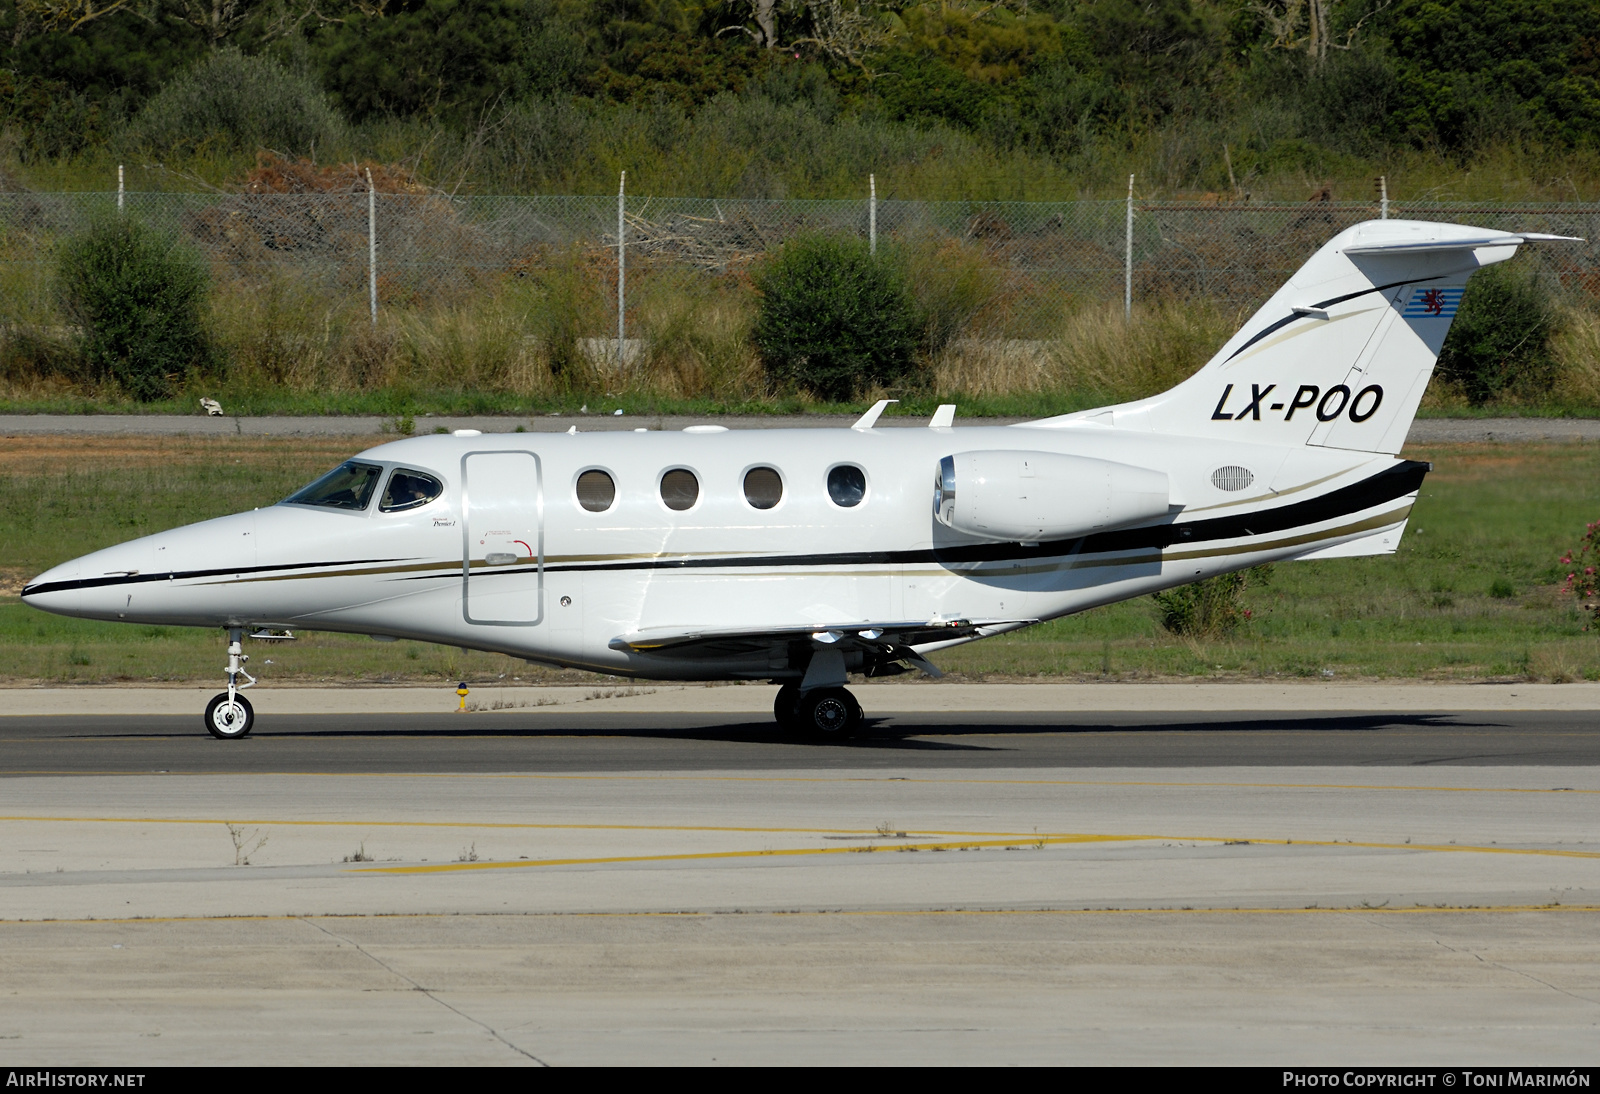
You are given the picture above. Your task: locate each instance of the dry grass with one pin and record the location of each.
(282, 335)
(697, 337)
(521, 336)
(55, 454)
(1577, 349)
(1095, 350)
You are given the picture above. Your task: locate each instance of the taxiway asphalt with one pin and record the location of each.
(610, 742)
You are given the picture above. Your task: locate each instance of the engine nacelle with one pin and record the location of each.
(1031, 496)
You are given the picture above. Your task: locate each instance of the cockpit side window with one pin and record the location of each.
(348, 486)
(408, 489)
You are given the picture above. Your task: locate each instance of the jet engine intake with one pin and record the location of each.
(1027, 497)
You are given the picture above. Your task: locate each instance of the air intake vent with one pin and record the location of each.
(1232, 477)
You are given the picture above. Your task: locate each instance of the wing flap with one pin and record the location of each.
(880, 638)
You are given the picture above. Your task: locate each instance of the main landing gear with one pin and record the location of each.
(229, 715)
(829, 714)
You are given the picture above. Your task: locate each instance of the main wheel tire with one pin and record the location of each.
(229, 721)
(784, 707)
(830, 714)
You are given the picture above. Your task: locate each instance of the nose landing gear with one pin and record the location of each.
(827, 714)
(229, 715)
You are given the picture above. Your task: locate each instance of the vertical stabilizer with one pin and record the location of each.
(1341, 355)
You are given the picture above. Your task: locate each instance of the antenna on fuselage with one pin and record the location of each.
(870, 418)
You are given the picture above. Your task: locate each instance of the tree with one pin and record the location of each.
(846, 30)
(1477, 70)
(68, 16)
(429, 57)
(1313, 26)
(765, 15)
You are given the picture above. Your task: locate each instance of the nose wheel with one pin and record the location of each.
(229, 715)
(825, 714)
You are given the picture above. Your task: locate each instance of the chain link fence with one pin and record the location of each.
(1044, 257)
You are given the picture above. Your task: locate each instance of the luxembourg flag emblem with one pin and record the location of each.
(1426, 303)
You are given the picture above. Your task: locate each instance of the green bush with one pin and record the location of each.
(137, 297)
(833, 318)
(233, 102)
(1499, 344)
(1212, 608)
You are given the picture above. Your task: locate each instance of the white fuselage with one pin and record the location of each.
(506, 559)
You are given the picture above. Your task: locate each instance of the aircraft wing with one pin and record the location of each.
(892, 641)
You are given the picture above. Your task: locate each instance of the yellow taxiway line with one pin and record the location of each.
(1036, 841)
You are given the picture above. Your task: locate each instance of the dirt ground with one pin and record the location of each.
(46, 454)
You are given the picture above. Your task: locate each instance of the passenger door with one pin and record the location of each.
(502, 523)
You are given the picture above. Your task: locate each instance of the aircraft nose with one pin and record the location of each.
(56, 590)
(94, 586)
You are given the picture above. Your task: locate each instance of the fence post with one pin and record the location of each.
(872, 214)
(1127, 267)
(622, 267)
(1383, 193)
(372, 249)
(119, 187)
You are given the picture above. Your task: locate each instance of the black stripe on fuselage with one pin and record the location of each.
(184, 575)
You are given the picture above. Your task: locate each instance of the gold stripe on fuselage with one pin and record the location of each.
(992, 568)
(1271, 495)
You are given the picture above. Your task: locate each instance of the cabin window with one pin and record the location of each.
(348, 486)
(679, 489)
(847, 485)
(408, 490)
(763, 487)
(596, 490)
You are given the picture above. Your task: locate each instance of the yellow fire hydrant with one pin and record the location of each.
(461, 690)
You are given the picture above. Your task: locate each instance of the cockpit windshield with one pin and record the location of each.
(348, 486)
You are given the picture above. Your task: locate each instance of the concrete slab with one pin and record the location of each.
(1466, 989)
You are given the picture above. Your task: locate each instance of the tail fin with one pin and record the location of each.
(1340, 355)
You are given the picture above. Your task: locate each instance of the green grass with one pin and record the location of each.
(1472, 594)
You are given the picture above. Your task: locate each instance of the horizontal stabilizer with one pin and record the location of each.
(1383, 542)
(1429, 246)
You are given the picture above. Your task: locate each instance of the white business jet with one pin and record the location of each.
(801, 556)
